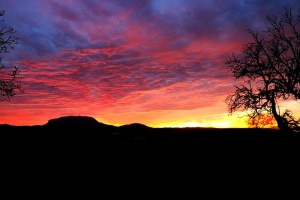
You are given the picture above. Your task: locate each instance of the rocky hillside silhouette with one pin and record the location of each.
(76, 122)
(134, 126)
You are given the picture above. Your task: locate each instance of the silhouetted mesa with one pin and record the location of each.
(76, 122)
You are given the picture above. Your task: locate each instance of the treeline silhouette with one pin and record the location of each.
(86, 132)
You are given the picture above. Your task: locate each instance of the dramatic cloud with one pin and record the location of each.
(158, 62)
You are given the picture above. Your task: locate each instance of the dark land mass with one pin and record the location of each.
(86, 132)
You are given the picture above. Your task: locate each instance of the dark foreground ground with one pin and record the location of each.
(83, 135)
(136, 155)
(139, 135)
(131, 145)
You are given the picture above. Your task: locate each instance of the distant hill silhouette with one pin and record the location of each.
(76, 122)
(85, 122)
(134, 126)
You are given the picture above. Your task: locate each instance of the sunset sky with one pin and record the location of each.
(156, 62)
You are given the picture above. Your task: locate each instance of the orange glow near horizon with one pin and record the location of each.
(156, 119)
(176, 124)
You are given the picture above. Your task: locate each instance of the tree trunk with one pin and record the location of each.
(281, 121)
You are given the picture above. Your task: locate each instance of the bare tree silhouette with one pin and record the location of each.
(270, 69)
(7, 80)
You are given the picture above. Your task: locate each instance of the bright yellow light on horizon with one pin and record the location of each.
(222, 120)
(205, 124)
